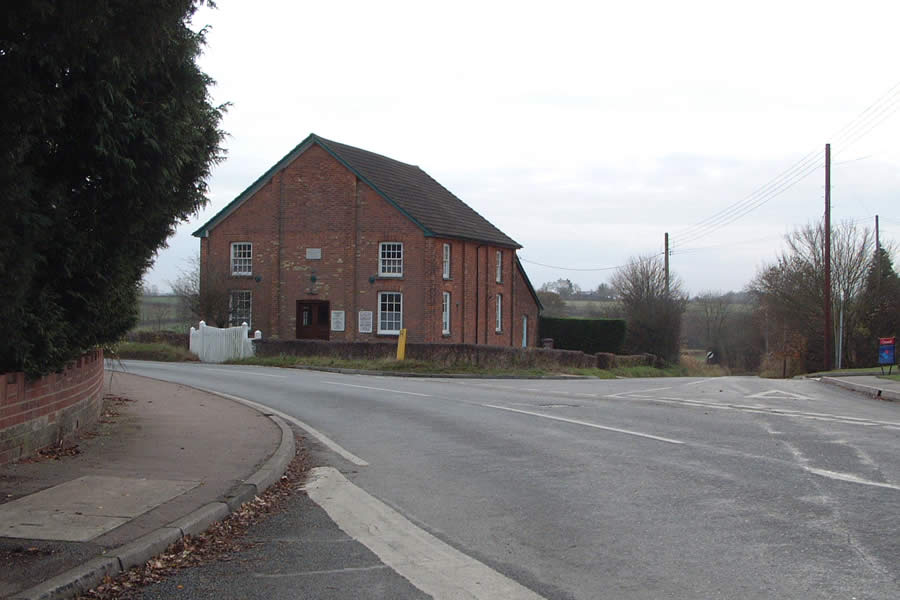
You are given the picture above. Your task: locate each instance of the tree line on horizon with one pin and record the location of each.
(774, 326)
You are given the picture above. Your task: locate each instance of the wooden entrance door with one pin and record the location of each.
(313, 320)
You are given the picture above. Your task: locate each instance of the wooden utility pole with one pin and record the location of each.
(667, 264)
(828, 324)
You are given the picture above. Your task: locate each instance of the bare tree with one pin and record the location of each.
(158, 313)
(714, 308)
(653, 309)
(564, 287)
(791, 291)
(209, 301)
(554, 306)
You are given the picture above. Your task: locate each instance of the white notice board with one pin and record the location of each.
(365, 321)
(337, 320)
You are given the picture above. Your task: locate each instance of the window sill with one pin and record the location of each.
(389, 278)
(388, 333)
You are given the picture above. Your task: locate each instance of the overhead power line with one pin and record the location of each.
(531, 262)
(694, 250)
(875, 114)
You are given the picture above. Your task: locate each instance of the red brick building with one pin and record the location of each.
(335, 242)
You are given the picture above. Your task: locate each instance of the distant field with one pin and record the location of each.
(609, 305)
(163, 312)
(170, 300)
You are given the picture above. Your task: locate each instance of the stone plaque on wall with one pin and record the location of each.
(365, 321)
(314, 253)
(337, 320)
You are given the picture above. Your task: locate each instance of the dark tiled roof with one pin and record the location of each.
(422, 199)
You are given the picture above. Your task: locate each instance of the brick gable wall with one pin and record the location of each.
(315, 202)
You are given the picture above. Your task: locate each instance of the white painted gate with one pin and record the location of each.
(216, 345)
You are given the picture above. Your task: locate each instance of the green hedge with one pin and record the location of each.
(588, 335)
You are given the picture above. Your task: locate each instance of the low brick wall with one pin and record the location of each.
(605, 360)
(38, 413)
(444, 354)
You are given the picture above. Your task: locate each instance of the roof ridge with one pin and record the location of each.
(382, 156)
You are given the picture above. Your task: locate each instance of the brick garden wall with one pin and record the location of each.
(41, 412)
(451, 354)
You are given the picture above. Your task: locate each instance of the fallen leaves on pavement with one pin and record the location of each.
(218, 542)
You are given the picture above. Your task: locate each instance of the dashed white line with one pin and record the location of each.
(366, 387)
(233, 371)
(620, 394)
(696, 382)
(586, 424)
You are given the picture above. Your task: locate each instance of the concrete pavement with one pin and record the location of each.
(166, 460)
(871, 385)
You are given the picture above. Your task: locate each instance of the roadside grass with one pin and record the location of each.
(156, 351)
(860, 371)
(891, 377)
(404, 366)
(688, 368)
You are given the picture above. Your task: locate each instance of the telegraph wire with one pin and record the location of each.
(729, 214)
(874, 115)
(696, 249)
(642, 258)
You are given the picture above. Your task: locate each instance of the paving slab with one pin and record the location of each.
(86, 507)
(162, 451)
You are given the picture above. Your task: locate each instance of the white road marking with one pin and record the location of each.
(784, 412)
(696, 382)
(779, 395)
(320, 572)
(233, 371)
(849, 477)
(586, 424)
(324, 439)
(620, 394)
(366, 387)
(429, 564)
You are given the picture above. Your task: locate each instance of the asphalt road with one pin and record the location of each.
(642, 488)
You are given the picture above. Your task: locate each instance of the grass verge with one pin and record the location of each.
(891, 377)
(155, 351)
(859, 371)
(687, 369)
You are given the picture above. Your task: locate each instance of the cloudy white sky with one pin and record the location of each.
(584, 130)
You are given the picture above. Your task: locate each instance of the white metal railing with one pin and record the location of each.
(216, 345)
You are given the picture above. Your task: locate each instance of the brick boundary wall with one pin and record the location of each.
(42, 412)
(452, 354)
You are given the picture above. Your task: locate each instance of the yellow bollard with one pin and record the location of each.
(401, 345)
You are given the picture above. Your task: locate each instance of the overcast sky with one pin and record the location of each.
(584, 131)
